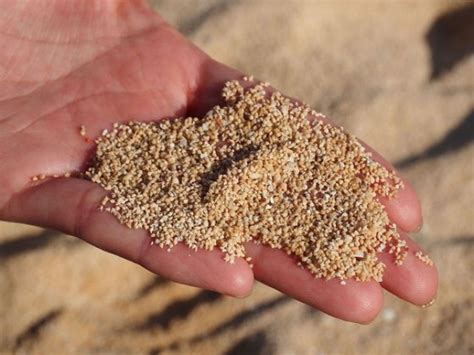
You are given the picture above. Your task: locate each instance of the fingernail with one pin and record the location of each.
(419, 228)
(429, 304)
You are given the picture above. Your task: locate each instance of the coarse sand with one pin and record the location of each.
(260, 167)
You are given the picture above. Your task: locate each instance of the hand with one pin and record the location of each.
(78, 64)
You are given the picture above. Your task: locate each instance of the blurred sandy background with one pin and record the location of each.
(399, 74)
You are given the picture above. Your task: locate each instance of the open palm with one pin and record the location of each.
(59, 74)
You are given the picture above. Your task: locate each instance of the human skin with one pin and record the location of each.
(68, 63)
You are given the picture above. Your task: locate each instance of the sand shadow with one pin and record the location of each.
(451, 39)
(177, 310)
(34, 330)
(455, 139)
(15, 247)
(193, 24)
(254, 344)
(150, 287)
(234, 322)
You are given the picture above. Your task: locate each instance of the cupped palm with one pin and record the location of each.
(136, 67)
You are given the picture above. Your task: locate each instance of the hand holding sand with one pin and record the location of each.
(121, 63)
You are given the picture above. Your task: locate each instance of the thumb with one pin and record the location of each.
(71, 205)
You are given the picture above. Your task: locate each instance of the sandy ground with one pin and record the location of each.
(400, 75)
